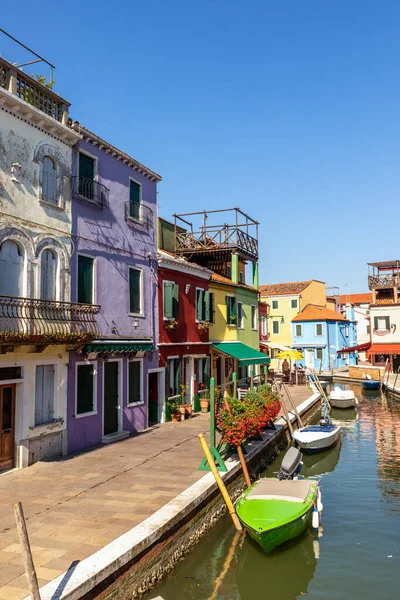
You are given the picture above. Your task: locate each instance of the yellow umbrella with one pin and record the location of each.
(290, 355)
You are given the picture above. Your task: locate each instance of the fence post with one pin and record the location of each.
(251, 379)
(213, 450)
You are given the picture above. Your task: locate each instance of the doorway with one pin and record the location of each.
(309, 358)
(153, 398)
(7, 426)
(111, 397)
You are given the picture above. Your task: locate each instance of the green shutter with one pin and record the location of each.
(375, 323)
(85, 279)
(134, 200)
(200, 305)
(134, 382)
(228, 309)
(207, 307)
(212, 309)
(168, 299)
(206, 373)
(387, 323)
(134, 291)
(84, 389)
(177, 376)
(168, 378)
(175, 300)
(86, 166)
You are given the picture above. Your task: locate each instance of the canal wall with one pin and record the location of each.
(134, 562)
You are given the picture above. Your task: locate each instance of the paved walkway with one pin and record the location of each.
(77, 504)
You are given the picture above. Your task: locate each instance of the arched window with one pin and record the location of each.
(48, 275)
(11, 269)
(49, 181)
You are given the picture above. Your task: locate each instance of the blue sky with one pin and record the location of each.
(289, 110)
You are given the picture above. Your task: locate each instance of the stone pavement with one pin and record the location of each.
(77, 504)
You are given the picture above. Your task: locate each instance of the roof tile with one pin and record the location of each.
(281, 289)
(356, 298)
(318, 313)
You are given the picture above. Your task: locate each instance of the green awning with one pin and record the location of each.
(119, 346)
(244, 354)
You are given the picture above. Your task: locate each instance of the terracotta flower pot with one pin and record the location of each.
(188, 409)
(176, 417)
(205, 405)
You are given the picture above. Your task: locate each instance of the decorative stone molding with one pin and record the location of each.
(44, 148)
(45, 242)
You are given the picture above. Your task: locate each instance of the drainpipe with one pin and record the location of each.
(235, 268)
(329, 346)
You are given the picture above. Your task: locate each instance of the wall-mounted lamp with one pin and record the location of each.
(274, 317)
(187, 288)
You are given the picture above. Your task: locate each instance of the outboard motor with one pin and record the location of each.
(291, 464)
(325, 419)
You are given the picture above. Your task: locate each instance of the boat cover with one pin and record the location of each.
(318, 428)
(272, 489)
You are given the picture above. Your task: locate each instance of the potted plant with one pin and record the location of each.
(173, 408)
(232, 320)
(172, 324)
(204, 404)
(203, 325)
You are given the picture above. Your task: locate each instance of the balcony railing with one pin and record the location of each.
(383, 281)
(31, 91)
(84, 188)
(139, 213)
(27, 320)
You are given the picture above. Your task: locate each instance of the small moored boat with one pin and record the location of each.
(339, 398)
(315, 438)
(275, 510)
(371, 384)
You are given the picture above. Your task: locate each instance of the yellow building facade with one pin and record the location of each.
(286, 300)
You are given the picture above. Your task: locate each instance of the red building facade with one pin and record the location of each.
(263, 312)
(184, 313)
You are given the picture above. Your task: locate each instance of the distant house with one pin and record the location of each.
(361, 304)
(286, 300)
(320, 333)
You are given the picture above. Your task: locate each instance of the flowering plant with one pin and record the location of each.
(173, 324)
(203, 325)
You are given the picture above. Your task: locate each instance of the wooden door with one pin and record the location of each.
(7, 426)
(153, 398)
(111, 397)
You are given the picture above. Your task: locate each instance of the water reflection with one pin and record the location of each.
(322, 462)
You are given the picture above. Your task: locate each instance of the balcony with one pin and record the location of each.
(25, 96)
(384, 275)
(31, 321)
(91, 191)
(139, 214)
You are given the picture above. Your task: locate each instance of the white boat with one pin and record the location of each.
(315, 438)
(339, 398)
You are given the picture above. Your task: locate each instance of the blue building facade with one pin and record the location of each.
(321, 333)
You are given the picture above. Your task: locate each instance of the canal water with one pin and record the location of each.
(356, 556)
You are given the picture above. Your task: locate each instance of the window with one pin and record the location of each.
(240, 315)
(49, 181)
(48, 275)
(85, 279)
(293, 303)
(11, 269)
(319, 353)
(381, 323)
(44, 394)
(253, 317)
(135, 291)
(264, 326)
(275, 304)
(203, 373)
(85, 389)
(202, 305)
(212, 307)
(173, 377)
(135, 381)
(241, 277)
(299, 330)
(171, 300)
(368, 329)
(346, 330)
(318, 329)
(229, 271)
(87, 166)
(230, 310)
(275, 326)
(135, 195)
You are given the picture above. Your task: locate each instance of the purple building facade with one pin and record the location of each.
(114, 219)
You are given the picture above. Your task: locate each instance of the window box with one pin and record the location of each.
(171, 324)
(203, 326)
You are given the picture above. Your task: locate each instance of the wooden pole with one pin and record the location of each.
(285, 412)
(293, 406)
(220, 484)
(26, 552)
(239, 449)
(319, 386)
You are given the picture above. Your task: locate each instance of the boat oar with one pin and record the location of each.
(293, 405)
(220, 483)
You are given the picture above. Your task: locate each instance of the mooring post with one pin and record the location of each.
(26, 552)
(234, 380)
(213, 450)
(251, 379)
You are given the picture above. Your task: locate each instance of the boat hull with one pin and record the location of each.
(315, 439)
(343, 402)
(371, 385)
(269, 540)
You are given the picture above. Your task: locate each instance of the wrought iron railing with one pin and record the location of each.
(88, 189)
(139, 213)
(27, 320)
(383, 281)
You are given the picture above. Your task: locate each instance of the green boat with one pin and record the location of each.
(275, 510)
